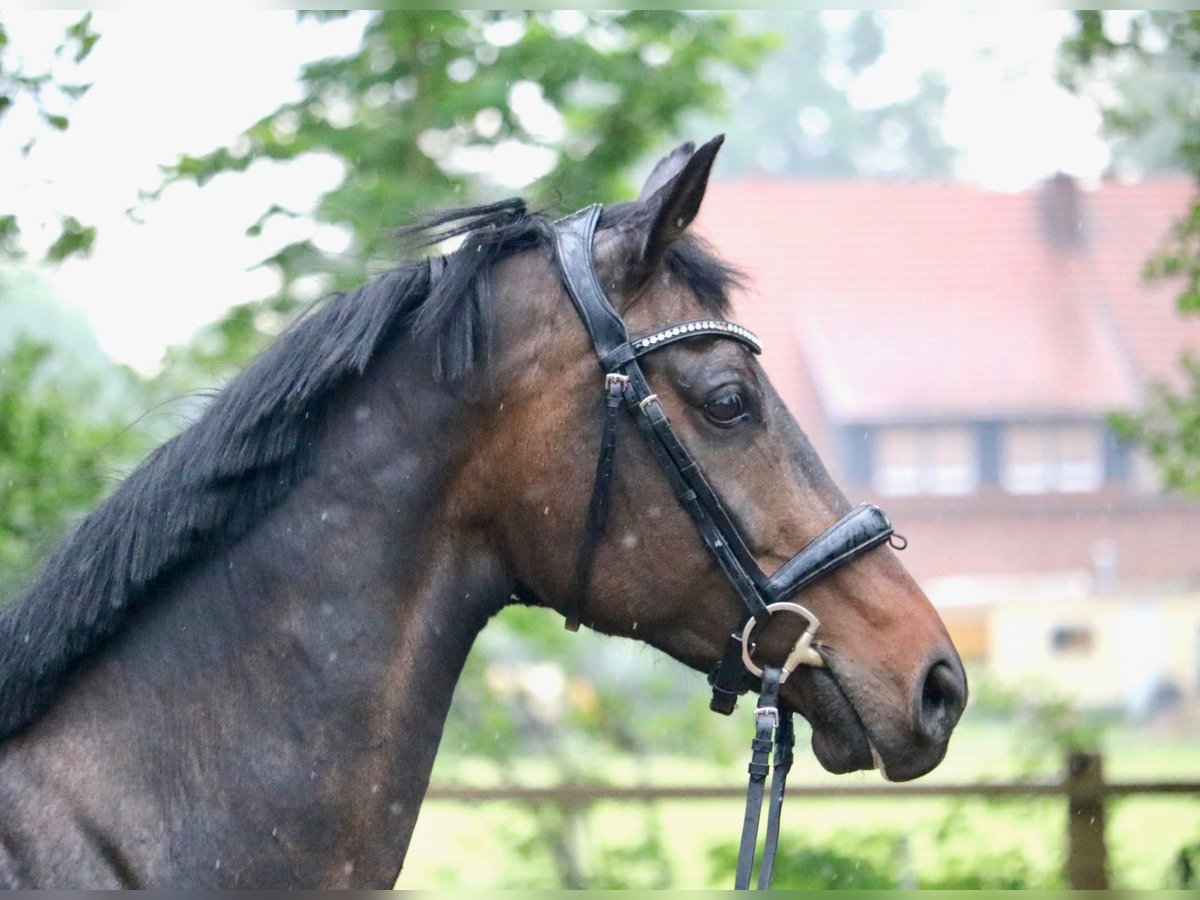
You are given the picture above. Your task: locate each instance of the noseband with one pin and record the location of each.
(861, 529)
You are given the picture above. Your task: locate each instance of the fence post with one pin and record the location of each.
(1087, 855)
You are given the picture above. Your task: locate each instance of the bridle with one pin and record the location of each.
(861, 529)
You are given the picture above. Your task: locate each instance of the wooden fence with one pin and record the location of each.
(1083, 786)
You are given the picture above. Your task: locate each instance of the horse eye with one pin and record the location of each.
(726, 409)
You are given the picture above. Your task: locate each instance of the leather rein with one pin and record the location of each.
(864, 527)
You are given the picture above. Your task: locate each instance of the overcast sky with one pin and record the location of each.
(170, 82)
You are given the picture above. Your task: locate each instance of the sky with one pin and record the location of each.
(167, 82)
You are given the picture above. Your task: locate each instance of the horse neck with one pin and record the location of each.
(288, 694)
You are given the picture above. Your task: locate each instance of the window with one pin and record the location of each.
(1038, 459)
(933, 459)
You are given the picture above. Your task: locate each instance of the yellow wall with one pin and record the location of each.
(1133, 643)
(968, 629)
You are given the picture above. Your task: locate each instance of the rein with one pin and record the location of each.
(864, 527)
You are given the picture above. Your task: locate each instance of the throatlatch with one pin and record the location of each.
(857, 532)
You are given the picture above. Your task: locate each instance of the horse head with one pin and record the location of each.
(887, 686)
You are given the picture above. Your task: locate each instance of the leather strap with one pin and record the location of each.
(785, 742)
(861, 529)
(597, 514)
(729, 678)
(573, 250)
(696, 496)
(766, 721)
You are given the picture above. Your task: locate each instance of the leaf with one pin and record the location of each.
(201, 169)
(10, 231)
(55, 121)
(255, 228)
(75, 239)
(1189, 301)
(75, 91)
(82, 35)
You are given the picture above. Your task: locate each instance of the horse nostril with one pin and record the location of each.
(943, 697)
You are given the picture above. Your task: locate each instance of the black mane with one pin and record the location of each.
(210, 484)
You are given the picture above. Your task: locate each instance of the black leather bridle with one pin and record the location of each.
(861, 529)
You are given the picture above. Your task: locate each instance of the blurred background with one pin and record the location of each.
(974, 243)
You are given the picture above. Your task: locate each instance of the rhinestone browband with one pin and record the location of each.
(702, 326)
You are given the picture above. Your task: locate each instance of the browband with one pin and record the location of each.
(718, 327)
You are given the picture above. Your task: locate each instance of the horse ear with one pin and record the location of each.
(667, 168)
(671, 208)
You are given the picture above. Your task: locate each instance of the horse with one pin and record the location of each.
(235, 671)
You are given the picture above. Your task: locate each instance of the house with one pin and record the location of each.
(953, 354)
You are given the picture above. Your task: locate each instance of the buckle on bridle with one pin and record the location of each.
(802, 652)
(615, 379)
(771, 712)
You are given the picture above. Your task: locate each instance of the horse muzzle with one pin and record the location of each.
(851, 731)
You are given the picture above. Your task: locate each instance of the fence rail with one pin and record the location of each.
(587, 794)
(1083, 786)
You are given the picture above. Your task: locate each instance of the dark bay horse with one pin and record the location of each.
(236, 670)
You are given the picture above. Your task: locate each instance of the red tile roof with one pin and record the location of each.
(887, 301)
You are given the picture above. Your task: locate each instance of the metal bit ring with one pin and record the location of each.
(802, 653)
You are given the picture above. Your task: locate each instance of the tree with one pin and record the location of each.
(800, 120)
(1147, 83)
(60, 430)
(441, 107)
(49, 96)
(55, 459)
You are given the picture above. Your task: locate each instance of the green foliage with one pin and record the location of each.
(560, 846)
(56, 456)
(436, 105)
(1168, 429)
(869, 860)
(10, 233)
(859, 860)
(78, 43)
(1045, 726)
(1144, 82)
(74, 239)
(640, 865)
(972, 865)
(433, 98)
(1186, 874)
(50, 95)
(1147, 83)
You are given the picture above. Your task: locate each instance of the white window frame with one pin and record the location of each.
(923, 472)
(1055, 470)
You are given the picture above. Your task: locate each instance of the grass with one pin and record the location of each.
(939, 840)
